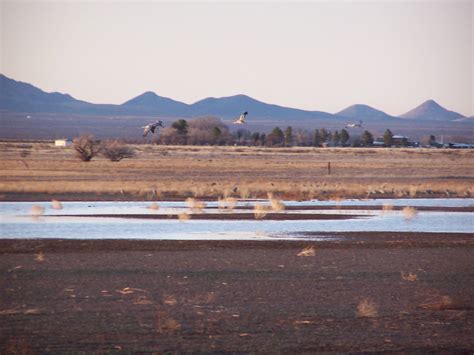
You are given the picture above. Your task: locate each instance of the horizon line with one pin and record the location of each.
(239, 94)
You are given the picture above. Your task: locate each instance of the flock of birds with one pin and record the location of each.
(151, 127)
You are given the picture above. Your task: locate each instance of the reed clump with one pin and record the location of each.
(437, 304)
(308, 251)
(409, 213)
(154, 206)
(412, 277)
(387, 207)
(260, 211)
(56, 205)
(227, 203)
(367, 309)
(195, 205)
(277, 205)
(40, 257)
(184, 216)
(37, 211)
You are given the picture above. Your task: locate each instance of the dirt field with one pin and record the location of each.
(39, 171)
(372, 292)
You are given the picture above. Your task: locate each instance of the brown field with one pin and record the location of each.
(178, 172)
(373, 292)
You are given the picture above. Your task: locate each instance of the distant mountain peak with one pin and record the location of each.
(149, 93)
(363, 112)
(431, 110)
(150, 98)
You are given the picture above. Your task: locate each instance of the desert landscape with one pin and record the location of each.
(237, 177)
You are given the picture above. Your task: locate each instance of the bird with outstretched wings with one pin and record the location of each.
(151, 127)
(241, 119)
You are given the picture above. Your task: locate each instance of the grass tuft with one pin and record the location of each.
(40, 257)
(366, 309)
(387, 207)
(37, 210)
(277, 205)
(227, 203)
(56, 205)
(195, 205)
(409, 276)
(184, 216)
(308, 251)
(260, 211)
(154, 206)
(437, 304)
(409, 213)
(170, 300)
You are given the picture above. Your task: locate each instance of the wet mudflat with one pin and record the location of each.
(239, 296)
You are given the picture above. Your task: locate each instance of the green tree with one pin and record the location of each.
(432, 140)
(388, 138)
(288, 135)
(344, 137)
(367, 138)
(181, 126)
(255, 138)
(336, 138)
(216, 133)
(316, 138)
(276, 137)
(324, 135)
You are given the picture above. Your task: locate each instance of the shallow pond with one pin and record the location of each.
(16, 220)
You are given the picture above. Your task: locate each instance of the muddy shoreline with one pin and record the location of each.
(225, 216)
(38, 196)
(239, 296)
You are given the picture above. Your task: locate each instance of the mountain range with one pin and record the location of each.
(17, 96)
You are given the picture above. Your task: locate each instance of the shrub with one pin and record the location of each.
(116, 151)
(86, 147)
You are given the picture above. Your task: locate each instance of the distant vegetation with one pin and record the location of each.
(87, 147)
(212, 131)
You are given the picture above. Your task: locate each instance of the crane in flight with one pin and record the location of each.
(354, 125)
(150, 127)
(241, 119)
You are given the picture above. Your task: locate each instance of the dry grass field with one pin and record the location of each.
(42, 171)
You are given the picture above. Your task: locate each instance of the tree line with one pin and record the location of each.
(212, 131)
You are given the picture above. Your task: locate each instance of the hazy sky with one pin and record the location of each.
(310, 55)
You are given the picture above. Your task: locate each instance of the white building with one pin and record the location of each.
(63, 142)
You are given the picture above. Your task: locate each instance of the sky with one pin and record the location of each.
(319, 55)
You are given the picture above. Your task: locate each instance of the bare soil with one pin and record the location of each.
(239, 296)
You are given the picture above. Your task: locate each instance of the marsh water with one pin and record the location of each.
(17, 221)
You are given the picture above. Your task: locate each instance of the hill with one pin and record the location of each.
(364, 113)
(16, 96)
(150, 103)
(432, 111)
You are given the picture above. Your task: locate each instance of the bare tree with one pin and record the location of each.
(116, 151)
(86, 147)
